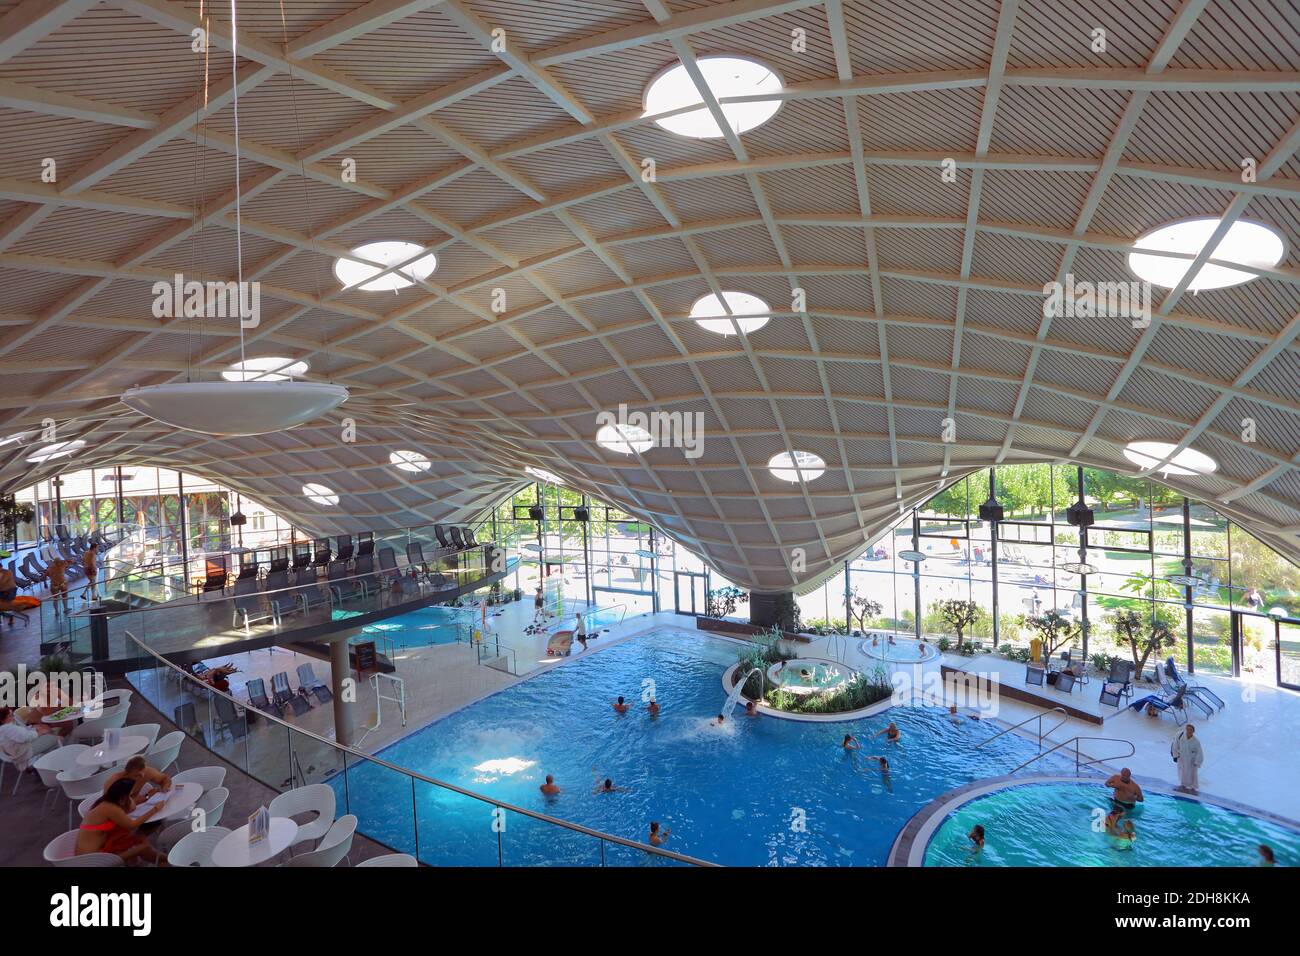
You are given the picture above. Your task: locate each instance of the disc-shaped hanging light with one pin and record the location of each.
(235, 408)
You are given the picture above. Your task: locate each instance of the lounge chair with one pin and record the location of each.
(363, 569)
(342, 586)
(228, 719)
(278, 593)
(1035, 674)
(322, 556)
(187, 719)
(301, 557)
(248, 605)
(1118, 683)
(457, 539)
(279, 561)
(415, 558)
(312, 595)
(365, 543)
(307, 679)
(285, 697)
(257, 697)
(344, 552)
(247, 566)
(1175, 706)
(1065, 682)
(440, 533)
(468, 535)
(1197, 691)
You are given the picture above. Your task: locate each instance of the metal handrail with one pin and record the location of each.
(415, 775)
(1088, 763)
(1038, 717)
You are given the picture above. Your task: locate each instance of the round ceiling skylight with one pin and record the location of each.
(320, 495)
(60, 449)
(410, 461)
(268, 369)
(624, 438)
(354, 274)
(724, 316)
(541, 474)
(1147, 454)
(726, 76)
(1247, 243)
(797, 466)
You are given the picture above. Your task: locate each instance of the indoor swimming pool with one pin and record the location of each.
(754, 791)
(1055, 824)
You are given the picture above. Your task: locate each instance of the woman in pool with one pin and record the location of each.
(976, 837)
(1266, 857)
(608, 787)
(891, 733)
(850, 743)
(658, 836)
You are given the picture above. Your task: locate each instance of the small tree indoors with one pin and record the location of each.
(958, 615)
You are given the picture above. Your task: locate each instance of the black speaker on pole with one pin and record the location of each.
(535, 512)
(1079, 515)
(991, 510)
(581, 514)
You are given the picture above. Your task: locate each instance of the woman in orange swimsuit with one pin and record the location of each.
(90, 564)
(107, 828)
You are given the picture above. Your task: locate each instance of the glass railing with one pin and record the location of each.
(218, 618)
(441, 824)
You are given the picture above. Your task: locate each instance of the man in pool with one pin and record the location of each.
(608, 787)
(891, 733)
(1127, 793)
(653, 707)
(751, 709)
(1266, 857)
(621, 706)
(550, 788)
(658, 836)
(721, 720)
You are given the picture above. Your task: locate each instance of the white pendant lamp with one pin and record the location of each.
(240, 407)
(235, 408)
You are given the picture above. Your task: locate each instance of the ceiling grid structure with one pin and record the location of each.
(519, 165)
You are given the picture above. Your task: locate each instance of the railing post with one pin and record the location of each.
(499, 828)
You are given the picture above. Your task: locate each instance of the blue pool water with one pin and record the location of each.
(428, 625)
(1051, 824)
(729, 794)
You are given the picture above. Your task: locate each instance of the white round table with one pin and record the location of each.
(101, 757)
(182, 798)
(233, 850)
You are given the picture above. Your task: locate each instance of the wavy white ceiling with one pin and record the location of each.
(522, 172)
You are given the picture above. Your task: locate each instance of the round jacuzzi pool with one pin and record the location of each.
(808, 676)
(898, 650)
(1062, 823)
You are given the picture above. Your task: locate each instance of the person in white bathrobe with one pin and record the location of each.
(1188, 754)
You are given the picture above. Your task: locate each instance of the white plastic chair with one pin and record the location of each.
(50, 765)
(212, 803)
(92, 731)
(166, 751)
(81, 782)
(315, 798)
(38, 747)
(333, 847)
(62, 851)
(173, 835)
(196, 848)
(391, 859)
(149, 731)
(209, 778)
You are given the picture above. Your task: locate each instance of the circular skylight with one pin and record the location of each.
(353, 273)
(726, 76)
(268, 369)
(1148, 454)
(749, 312)
(624, 438)
(320, 495)
(60, 449)
(1247, 243)
(410, 461)
(541, 474)
(797, 466)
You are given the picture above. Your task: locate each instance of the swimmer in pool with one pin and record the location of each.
(751, 709)
(976, 837)
(653, 707)
(621, 706)
(953, 716)
(608, 787)
(850, 743)
(550, 788)
(891, 733)
(1266, 857)
(1127, 794)
(658, 836)
(721, 720)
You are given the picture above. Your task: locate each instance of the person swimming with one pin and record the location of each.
(550, 787)
(850, 743)
(1266, 857)
(720, 721)
(621, 706)
(608, 787)
(657, 835)
(976, 837)
(1126, 792)
(891, 733)
(953, 716)
(653, 707)
(751, 709)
